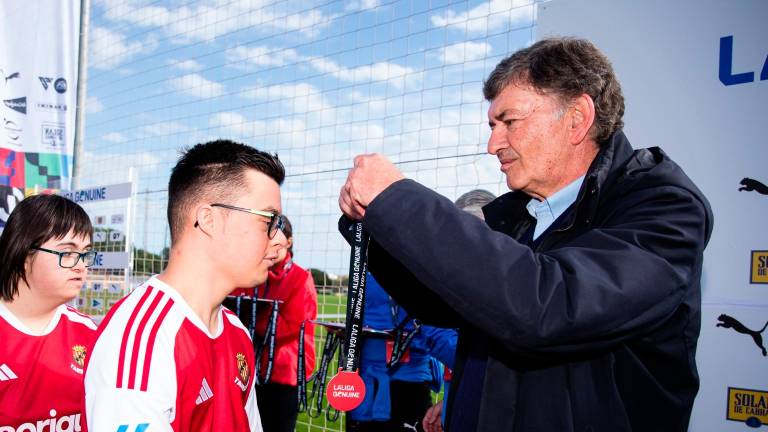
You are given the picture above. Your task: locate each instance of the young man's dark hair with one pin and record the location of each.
(34, 221)
(214, 169)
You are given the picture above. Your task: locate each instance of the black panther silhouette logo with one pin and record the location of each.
(732, 323)
(749, 185)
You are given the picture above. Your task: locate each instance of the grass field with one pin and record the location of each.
(330, 307)
(331, 304)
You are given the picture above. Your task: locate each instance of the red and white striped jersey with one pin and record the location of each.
(41, 375)
(156, 367)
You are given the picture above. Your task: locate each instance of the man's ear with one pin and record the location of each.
(581, 115)
(204, 219)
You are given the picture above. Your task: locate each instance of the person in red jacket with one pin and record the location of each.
(293, 285)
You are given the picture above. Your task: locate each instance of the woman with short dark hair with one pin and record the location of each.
(45, 250)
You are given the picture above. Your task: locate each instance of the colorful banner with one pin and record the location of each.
(39, 41)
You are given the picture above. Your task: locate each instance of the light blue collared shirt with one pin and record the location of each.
(547, 211)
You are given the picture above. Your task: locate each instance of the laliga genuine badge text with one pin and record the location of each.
(345, 391)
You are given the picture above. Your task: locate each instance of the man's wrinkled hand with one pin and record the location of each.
(370, 175)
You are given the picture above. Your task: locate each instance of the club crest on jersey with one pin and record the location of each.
(78, 356)
(242, 371)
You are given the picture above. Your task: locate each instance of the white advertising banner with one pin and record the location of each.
(695, 80)
(39, 42)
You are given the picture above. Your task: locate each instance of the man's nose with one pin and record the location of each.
(496, 141)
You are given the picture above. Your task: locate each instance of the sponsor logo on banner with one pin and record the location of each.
(748, 406)
(100, 220)
(17, 104)
(52, 106)
(9, 77)
(117, 219)
(752, 185)
(758, 272)
(12, 132)
(60, 85)
(45, 81)
(726, 74)
(115, 288)
(99, 236)
(53, 135)
(729, 322)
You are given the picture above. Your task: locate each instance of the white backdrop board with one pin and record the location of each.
(695, 79)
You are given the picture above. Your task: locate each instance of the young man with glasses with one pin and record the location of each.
(169, 357)
(45, 250)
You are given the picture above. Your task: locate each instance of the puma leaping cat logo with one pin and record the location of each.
(413, 426)
(749, 185)
(732, 323)
(9, 77)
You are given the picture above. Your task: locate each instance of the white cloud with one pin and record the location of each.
(108, 49)
(115, 137)
(197, 86)
(93, 105)
(299, 97)
(209, 19)
(381, 71)
(488, 17)
(235, 126)
(465, 52)
(162, 129)
(261, 56)
(361, 5)
(185, 65)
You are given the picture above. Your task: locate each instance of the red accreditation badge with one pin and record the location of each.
(406, 355)
(345, 391)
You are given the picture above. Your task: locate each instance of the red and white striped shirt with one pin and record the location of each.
(155, 367)
(41, 375)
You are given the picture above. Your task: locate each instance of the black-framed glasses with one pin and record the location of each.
(275, 219)
(70, 259)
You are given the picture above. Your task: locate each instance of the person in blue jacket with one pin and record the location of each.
(397, 397)
(471, 202)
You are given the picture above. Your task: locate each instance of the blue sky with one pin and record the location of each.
(315, 81)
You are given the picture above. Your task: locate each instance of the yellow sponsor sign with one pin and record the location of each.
(759, 269)
(748, 406)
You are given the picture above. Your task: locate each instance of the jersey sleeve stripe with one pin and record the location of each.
(151, 344)
(126, 333)
(74, 316)
(137, 340)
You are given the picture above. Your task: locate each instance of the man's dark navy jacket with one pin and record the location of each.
(595, 328)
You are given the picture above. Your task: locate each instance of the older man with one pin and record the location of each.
(578, 303)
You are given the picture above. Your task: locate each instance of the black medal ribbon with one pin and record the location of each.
(332, 341)
(402, 340)
(269, 341)
(252, 324)
(301, 372)
(358, 267)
